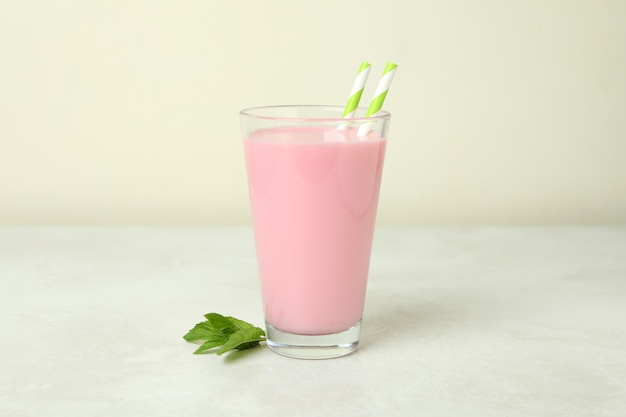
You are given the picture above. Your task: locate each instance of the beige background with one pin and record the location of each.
(126, 112)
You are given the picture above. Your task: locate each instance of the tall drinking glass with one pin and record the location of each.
(313, 180)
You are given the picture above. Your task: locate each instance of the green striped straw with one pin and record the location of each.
(379, 95)
(357, 90)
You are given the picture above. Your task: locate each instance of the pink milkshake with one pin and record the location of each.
(313, 187)
(314, 207)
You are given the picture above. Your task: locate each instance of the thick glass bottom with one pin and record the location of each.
(306, 346)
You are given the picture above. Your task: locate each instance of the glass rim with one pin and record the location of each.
(254, 113)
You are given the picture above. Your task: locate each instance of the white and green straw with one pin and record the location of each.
(357, 90)
(379, 95)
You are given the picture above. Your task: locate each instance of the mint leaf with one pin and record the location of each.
(210, 344)
(243, 339)
(218, 322)
(240, 324)
(201, 331)
(225, 331)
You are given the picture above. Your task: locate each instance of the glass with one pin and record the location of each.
(313, 180)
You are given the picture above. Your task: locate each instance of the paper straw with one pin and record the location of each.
(379, 95)
(355, 93)
(382, 89)
(357, 90)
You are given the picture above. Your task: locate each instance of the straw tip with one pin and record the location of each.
(390, 66)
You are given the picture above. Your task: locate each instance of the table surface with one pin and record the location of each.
(458, 321)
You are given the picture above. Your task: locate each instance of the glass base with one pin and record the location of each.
(306, 346)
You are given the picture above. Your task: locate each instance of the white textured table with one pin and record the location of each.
(472, 322)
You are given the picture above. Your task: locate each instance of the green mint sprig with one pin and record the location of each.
(228, 332)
